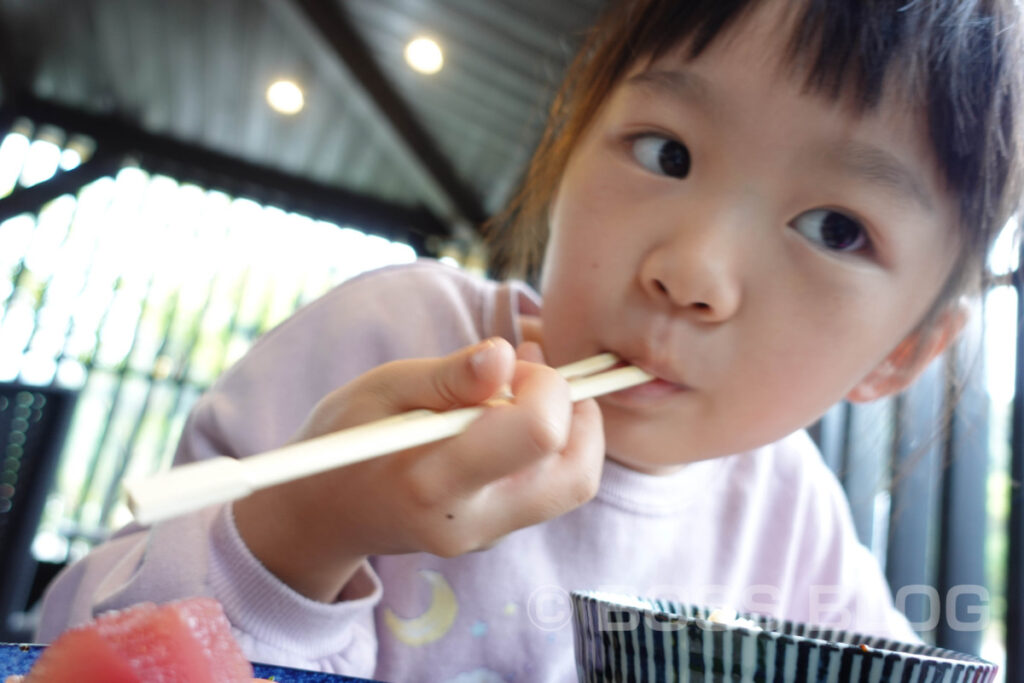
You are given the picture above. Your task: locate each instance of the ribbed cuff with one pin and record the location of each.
(263, 606)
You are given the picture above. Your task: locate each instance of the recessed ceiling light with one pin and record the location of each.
(424, 55)
(285, 97)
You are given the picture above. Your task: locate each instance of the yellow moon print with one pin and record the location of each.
(432, 624)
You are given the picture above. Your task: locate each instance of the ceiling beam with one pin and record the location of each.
(326, 23)
(214, 170)
(31, 199)
(11, 77)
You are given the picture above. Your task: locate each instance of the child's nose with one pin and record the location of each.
(697, 272)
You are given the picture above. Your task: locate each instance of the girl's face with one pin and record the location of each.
(759, 249)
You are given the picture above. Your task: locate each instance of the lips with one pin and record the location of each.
(661, 371)
(668, 382)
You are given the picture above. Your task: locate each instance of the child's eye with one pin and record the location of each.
(662, 155)
(831, 230)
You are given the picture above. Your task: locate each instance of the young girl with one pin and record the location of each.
(768, 205)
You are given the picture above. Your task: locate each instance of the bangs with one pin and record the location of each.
(844, 49)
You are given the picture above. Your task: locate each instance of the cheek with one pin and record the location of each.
(578, 282)
(585, 242)
(807, 352)
(569, 311)
(596, 197)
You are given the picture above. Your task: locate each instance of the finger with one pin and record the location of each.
(467, 377)
(506, 438)
(532, 352)
(552, 486)
(578, 470)
(543, 397)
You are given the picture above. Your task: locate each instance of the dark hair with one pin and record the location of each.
(958, 59)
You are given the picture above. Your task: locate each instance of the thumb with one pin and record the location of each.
(467, 377)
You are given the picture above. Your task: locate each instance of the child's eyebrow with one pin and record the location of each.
(681, 85)
(879, 167)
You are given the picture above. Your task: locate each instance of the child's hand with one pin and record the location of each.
(521, 463)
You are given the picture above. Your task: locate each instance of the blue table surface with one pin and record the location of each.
(18, 659)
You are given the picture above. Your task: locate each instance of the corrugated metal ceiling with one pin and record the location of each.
(196, 71)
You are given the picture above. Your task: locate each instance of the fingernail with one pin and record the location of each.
(479, 357)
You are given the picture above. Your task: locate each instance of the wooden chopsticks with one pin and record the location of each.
(217, 480)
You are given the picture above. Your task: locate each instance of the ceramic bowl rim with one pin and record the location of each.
(646, 606)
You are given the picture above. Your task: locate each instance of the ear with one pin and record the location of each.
(909, 359)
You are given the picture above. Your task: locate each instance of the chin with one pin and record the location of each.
(654, 469)
(643, 456)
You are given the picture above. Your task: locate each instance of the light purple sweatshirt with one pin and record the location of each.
(768, 530)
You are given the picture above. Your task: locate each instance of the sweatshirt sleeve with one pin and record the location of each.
(202, 554)
(258, 404)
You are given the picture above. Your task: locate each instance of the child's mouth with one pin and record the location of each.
(658, 388)
(655, 389)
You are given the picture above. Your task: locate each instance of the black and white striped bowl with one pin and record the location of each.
(621, 638)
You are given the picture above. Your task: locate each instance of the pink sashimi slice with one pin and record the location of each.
(188, 641)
